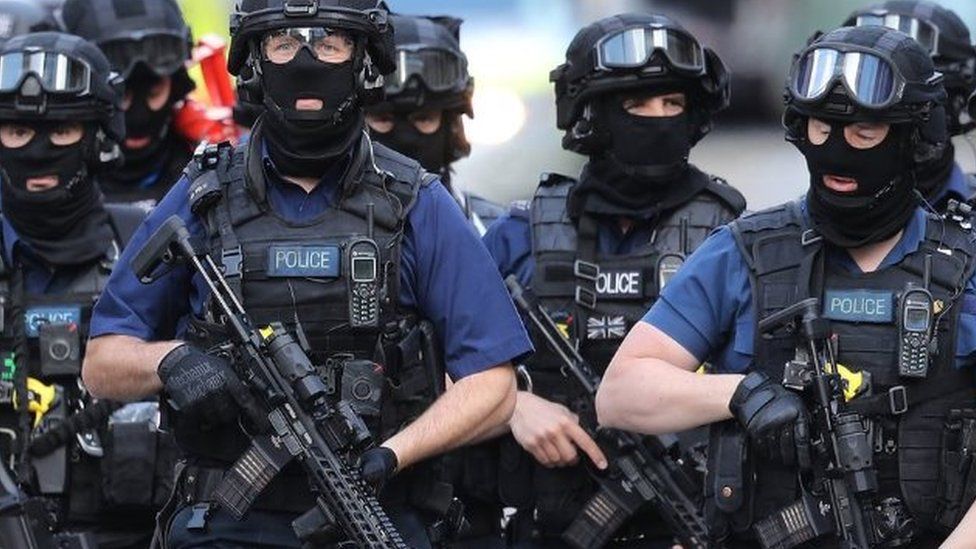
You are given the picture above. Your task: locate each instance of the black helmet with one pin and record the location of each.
(432, 71)
(76, 83)
(22, 17)
(867, 73)
(366, 18)
(151, 33)
(943, 34)
(633, 51)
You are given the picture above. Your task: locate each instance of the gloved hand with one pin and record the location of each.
(775, 419)
(378, 465)
(202, 387)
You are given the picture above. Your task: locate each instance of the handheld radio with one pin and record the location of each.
(914, 332)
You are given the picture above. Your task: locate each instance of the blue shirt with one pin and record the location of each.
(707, 307)
(446, 274)
(509, 239)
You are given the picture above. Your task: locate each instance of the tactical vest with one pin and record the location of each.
(601, 296)
(116, 472)
(299, 274)
(597, 297)
(786, 263)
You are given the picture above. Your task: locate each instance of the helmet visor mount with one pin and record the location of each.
(872, 81)
(632, 48)
(439, 69)
(55, 72)
(163, 53)
(924, 32)
(328, 45)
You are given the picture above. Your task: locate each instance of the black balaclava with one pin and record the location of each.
(884, 200)
(431, 150)
(301, 143)
(645, 167)
(66, 225)
(932, 177)
(141, 121)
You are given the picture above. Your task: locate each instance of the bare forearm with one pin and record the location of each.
(652, 396)
(124, 367)
(470, 408)
(964, 534)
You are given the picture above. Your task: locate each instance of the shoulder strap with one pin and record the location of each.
(727, 194)
(125, 219)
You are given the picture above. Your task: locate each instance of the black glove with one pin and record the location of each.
(202, 387)
(378, 465)
(775, 419)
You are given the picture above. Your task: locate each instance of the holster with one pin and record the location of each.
(958, 463)
(728, 505)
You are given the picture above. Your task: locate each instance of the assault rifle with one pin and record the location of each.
(849, 478)
(641, 469)
(303, 424)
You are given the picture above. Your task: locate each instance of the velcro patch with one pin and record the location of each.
(35, 317)
(871, 306)
(620, 284)
(303, 261)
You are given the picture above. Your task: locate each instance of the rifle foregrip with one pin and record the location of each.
(600, 518)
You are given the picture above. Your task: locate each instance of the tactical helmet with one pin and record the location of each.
(432, 71)
(57, 76)
(19, 17)
(944, 35)
(634, 51)
(148, 32)
(867, 74)
(368, 20)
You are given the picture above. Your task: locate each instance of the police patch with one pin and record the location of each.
(620, 284)
(35, 317)
(872, 306)
(607, 327)
(303, 261)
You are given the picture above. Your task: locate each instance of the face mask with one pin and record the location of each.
(651, 148)
(882, 203)
(66, 225)
(303, 143)
(428, 149)
(145, 124)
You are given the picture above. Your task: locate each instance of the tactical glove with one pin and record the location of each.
(202, 387)
(775, 419)
(378, 466)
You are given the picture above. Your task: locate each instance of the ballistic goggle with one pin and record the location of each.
(56, 72)
(633, 48)
(163, 53)
(438, 69)
(924, 32)
(871, 80)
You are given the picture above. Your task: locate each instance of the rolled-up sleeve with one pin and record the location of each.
(451, 279)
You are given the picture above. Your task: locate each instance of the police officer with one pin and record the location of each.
(425, 100)
(635, 94)
(148, 43)
(59, 129)
(279, 214)
(944, 35)
(23, 16)
(858, 102)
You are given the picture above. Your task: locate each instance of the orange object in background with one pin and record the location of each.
(211, 120)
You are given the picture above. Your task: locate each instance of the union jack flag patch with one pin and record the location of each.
(607, 327)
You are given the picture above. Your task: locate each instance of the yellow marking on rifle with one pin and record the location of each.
(563, 329)
(266, 332)
(853, 382)
(938, 306)
(40, 399)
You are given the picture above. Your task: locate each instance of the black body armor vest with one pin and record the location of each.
(299, 274)
(598, 298)
(786, 261)
(601, 296)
